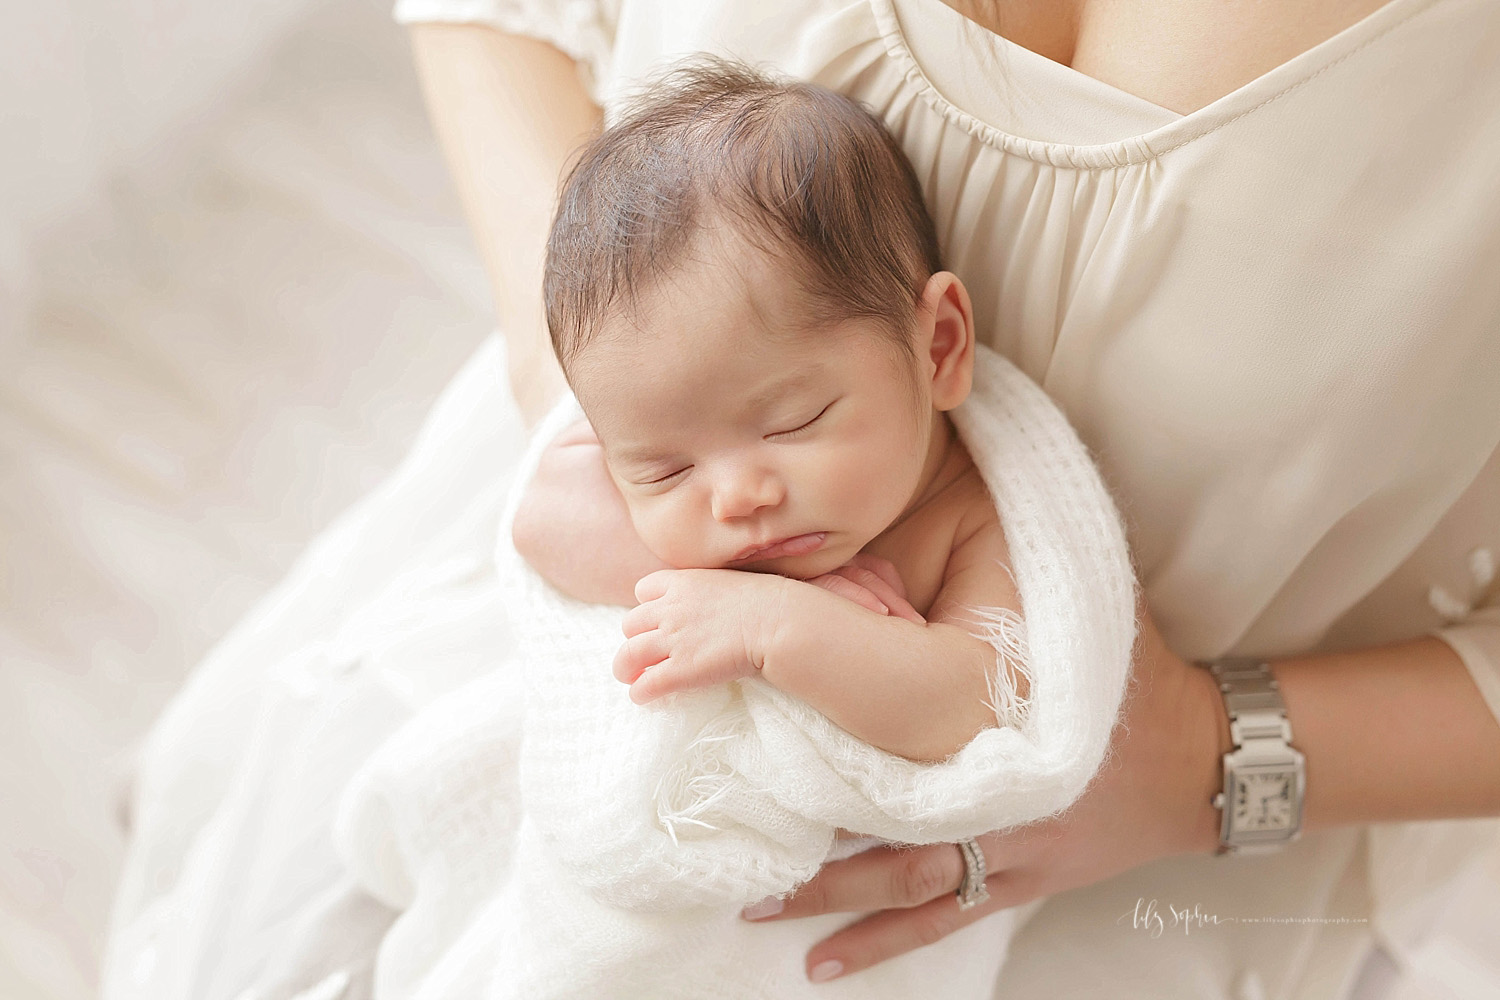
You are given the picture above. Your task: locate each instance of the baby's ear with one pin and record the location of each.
(946, 311)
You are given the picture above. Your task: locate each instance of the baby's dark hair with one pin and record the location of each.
(801, 172)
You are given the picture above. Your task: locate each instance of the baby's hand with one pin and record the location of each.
(698, 627)
(873, 583)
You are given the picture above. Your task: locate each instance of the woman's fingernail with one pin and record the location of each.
(824, 971)
(768, 907)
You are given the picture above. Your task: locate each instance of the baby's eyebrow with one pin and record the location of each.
(641, 455)
(786, 386)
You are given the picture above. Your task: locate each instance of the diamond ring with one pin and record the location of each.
(971, 889)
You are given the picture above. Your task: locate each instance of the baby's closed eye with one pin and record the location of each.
(804, 426)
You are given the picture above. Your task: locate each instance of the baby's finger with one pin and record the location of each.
(896, 605)
(653, 585)
(901, 608)
(884, 592)
(641, 618)
(658, 680)
(640, 652)
(877, 575)
(883, 568)
(849, 591)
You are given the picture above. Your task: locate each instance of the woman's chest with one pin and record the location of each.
(1177, 54)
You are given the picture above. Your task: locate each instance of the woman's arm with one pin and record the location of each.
(1398, 732)
(509, 112)
(1391, 733)
(572, 525)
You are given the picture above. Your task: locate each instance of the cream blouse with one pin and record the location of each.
(1275, 320)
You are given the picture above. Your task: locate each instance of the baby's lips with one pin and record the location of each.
(796, 545)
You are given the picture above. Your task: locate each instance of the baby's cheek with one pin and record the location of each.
(669, 533)
(859, 486)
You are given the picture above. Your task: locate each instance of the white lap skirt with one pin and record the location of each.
(231, 883)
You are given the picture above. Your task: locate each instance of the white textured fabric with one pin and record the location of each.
(658, 824)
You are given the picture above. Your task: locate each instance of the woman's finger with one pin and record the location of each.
(895, 932)
(879, 878)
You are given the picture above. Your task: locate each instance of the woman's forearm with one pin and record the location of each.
(1390, 733)
(573, 527)
(509, 112)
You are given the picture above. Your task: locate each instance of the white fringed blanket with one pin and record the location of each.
(604, 849)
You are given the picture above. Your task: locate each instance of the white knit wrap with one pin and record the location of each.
(682, 811)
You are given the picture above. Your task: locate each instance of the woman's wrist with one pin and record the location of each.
(1389, 733)
(1211, 741)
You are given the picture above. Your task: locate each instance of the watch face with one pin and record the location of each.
(1263, 801)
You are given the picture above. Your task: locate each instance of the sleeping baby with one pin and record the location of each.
(744, 289)
(782, 475)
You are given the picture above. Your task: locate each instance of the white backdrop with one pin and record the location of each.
(89, 86)
(244, 280)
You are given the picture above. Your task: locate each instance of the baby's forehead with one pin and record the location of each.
(744, 303)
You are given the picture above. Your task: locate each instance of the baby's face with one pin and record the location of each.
(739, 440)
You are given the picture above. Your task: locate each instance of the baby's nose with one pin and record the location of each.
(742, 492)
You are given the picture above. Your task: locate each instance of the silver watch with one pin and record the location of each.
(1265, 777)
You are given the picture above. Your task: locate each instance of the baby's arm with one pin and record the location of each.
(572, 525)
(921, 690)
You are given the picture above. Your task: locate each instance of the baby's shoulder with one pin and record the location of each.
(977, 573)
(972, 510)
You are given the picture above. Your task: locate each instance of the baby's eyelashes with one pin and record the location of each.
(660, 480)
(781, 435)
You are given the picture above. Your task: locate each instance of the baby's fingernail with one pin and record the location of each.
(824, 971)
(768, 907)
(883, 609)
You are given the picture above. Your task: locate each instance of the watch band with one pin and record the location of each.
(1262, 736)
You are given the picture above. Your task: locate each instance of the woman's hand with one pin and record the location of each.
(1151, 799)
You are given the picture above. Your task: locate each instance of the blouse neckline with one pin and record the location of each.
(1051, 113)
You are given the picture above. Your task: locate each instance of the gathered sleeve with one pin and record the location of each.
(583, 29)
